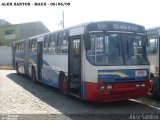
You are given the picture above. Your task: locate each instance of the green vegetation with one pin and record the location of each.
(6, 42)
(6, 67)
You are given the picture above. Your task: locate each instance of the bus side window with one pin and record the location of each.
(52, 43)
(65, 46)
(34, 45)
(62, 43)
(59, 43)
(17, 49)
(76, 47)
(46, 43)
(22, 47)
(152, 46)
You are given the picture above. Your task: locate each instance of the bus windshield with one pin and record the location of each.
(117, 49)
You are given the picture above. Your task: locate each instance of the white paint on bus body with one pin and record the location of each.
(76, 31)
(40, 39)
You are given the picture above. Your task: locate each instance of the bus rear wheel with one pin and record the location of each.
(63, 83)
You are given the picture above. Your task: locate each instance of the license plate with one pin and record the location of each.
(140, 73)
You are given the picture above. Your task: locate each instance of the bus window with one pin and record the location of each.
(76, 47)
(152, 46)
(62, 43)
(22, 47)
(34, 45)
(105, 49)
(46, 44)
(134, 49)
(52, 43)
(65, 46)
(17, 48)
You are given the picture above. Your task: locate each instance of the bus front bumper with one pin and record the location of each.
(114, 92)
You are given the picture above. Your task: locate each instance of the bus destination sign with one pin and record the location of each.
(115, 26)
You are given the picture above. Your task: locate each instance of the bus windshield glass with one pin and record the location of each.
(117, 49)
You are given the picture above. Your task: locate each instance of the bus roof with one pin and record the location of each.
(92, 23)
(153, 30)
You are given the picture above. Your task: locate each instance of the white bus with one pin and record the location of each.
(97, 61)
(153, 53)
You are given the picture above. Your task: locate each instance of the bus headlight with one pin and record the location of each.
(143, 85)
(137, 85)
(109, 87)
(102, 87)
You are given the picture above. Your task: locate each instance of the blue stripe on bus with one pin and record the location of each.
(50, 82)
(122, 80)
(116, 76)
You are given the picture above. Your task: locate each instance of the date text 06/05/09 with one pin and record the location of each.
(52, 4)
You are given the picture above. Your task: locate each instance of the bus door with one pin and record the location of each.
(74, 64)
(39, 59)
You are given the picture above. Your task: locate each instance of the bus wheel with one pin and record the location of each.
(34, 78)
(152, 89)
(63, 83)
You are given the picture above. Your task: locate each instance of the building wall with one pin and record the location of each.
(12, 33)
(32, 29)
(7, 38)
(6, 55)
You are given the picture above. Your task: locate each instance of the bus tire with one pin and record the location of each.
(63, 83)
(34, 78)
(152, 92)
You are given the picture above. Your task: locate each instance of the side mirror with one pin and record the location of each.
(87, 42)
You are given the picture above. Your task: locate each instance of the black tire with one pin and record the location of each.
(63, 83)
(152, 91)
